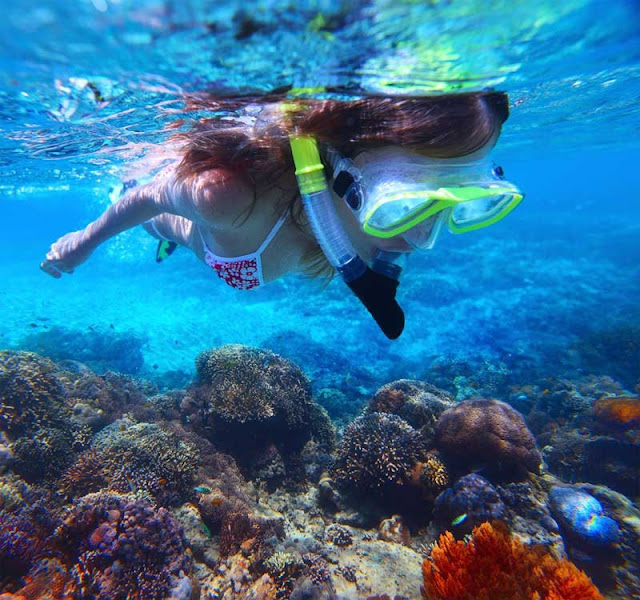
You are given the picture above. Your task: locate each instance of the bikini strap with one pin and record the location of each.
(273, 232)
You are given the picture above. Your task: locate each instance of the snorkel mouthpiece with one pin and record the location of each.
(375, 289)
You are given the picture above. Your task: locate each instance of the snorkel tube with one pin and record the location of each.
(375, 288)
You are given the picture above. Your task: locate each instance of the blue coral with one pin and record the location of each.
(582, 517)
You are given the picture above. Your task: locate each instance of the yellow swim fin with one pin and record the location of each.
(165, 250)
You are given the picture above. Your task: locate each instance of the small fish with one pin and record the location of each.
(266, 362)
(216, 501)
(202, 489)
(111, 326)
(459, 519)
(132, 485)
(33, 324)
(162, 481)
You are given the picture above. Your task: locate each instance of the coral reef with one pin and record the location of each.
(27, 523)
(245, 394)
(554, 400)
(32, 395)
(490, 434)
(121, 547)
(471, 501)
(473, 376)
(527, 513)
(617, 568)
(418, 403)
(581, 517)
(431, 474)
(34, 418)
(492, 565)
(600, 444)
(97, 400)
(618, 411)
(101, 349)
(136, 457)
(378, 451)
(340, 407)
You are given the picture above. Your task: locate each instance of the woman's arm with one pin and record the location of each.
(71, 250)
(216, 197)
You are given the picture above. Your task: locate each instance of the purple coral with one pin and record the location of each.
(123, 548)
(26, 526)
(471, 501)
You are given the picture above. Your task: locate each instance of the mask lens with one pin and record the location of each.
(485, 210)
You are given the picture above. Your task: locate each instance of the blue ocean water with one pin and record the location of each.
(551, 292)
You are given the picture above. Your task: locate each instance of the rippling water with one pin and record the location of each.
(86, 83)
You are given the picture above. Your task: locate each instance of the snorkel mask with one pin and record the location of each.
(396, 193)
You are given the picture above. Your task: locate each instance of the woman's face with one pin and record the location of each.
(367, 244)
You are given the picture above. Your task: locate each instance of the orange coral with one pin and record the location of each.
(622, 410)
(494, 566)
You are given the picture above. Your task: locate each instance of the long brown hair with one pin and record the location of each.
(251, 134)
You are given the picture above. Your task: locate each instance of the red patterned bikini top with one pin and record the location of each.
(241, 272)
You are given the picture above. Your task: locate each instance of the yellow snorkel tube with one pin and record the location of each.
(375, 289)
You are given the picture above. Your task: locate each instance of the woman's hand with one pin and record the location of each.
(67, 253)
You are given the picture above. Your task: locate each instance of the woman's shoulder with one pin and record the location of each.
(218, 196)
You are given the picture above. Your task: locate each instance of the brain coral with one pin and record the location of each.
(623, 411)
(247, 393)
(420, 404)
(377, 450)
(489, 433)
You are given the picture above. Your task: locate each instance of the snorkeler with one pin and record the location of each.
(274, 186)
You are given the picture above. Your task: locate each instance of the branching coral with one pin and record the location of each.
(494, 566)
(250, 384)
(30, 392)
(251, 395)
(431, 474)
(138, 457)
(377, 450)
